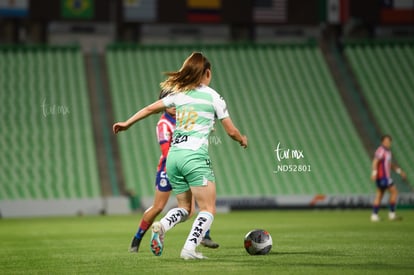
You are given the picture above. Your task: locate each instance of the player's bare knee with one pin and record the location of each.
(157, 209)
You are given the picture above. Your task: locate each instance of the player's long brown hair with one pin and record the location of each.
(189, 76)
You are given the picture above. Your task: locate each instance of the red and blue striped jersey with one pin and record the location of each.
(165, 129)
(384, 164)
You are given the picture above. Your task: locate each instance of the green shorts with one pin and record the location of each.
(187, 168)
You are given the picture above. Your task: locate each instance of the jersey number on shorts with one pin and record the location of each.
(186, 118)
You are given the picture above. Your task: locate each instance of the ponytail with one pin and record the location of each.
(189, 76)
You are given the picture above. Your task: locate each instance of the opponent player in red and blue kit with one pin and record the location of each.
(381, 174)
(165, 129)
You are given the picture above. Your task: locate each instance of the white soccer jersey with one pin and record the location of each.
(196, 111)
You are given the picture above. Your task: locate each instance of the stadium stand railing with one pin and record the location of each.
(276, 93)
(384, 70)
(47, 143)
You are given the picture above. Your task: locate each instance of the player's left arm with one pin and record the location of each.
(398, 170)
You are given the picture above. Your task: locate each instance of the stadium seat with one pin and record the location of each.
(384, 70)
(47, 140)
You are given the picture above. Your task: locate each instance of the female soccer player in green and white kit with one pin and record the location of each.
(165, 129)
(188, 163)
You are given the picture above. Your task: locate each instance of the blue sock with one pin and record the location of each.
(143, 227)
(207, 235)
(140, 233)
(375, 209)
(392, 207)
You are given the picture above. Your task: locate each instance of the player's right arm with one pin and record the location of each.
(233, 132)
(222, 114)
(374, 171)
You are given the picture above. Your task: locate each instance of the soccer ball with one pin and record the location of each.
(258, 242)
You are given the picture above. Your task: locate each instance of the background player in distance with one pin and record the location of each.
(381, 174)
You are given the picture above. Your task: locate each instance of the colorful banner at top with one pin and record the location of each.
(204, 11)
(77, 9)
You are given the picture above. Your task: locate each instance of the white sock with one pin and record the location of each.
(200, 226)
(174, 216)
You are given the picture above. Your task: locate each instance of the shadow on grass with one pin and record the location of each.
(369, 266)
(297, 253)
(328, 260)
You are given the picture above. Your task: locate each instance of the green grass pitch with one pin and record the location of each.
(304, 242)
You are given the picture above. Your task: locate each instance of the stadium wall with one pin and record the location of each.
(318, 201)
(64, 207)
(125, 205)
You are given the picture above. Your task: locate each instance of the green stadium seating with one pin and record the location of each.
(275, 94)
(384, 71)
(46, 140)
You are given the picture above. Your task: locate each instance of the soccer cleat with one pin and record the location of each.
(135, 245)
(208, 242)
(375, 218)
(191, 255)
(393, 217)
(157, 239)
